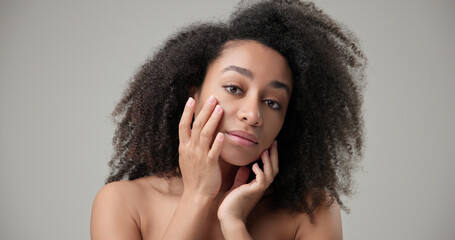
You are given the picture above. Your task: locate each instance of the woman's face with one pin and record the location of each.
(253, 85)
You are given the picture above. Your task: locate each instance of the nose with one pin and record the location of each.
(249, 112)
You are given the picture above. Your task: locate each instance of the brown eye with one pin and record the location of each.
(233, 89)
(273, 104)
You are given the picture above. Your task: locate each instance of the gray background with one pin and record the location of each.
(64, 64)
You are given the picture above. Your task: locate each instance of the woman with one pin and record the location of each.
(276, 132)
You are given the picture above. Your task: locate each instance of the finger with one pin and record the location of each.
(267, 165)
(259, 174)
(185, 121)
(274, 158)
(208, 130)
(214, 153)
(202, 118)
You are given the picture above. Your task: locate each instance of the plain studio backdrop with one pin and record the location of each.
(65, 64)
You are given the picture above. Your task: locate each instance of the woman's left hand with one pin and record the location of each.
(242, 197)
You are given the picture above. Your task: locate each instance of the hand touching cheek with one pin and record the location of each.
(242, 197)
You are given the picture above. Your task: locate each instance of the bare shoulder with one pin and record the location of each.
(264, 223)
(114, 208)
(326, 225)
(118, 188)
(267, 223)
(122, 193)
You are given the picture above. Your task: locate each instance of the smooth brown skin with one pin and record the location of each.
(212, 199)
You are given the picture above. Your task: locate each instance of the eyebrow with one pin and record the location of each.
(247, 73)
(277, 84)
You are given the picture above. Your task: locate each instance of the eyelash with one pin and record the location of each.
(268, 102)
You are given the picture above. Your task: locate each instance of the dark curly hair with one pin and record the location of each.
(320, 143)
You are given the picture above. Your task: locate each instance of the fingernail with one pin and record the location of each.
(218, 108)
(211, 100)
(190, 102)
(219, 136)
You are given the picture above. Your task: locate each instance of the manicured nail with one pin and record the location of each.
(211, 100)
(190, 102)
(255, 165)
(218, 108)
(219, 136)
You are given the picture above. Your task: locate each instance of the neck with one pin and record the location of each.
(228, 172)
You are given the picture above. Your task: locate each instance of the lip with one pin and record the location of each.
(242, 138)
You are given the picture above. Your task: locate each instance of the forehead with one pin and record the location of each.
(263, 62)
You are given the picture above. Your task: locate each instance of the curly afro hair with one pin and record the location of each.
(320, 143)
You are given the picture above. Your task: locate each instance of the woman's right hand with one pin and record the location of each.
(198, 161)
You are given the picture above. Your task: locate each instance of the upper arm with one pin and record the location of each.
(327, 224)
(113, 217)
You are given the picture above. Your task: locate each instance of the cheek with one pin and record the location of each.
(274, 124)
(228, 109)
(271, 131)
(208, 91)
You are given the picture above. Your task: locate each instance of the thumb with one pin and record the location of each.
(241, 177)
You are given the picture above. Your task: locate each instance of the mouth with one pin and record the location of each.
(242, 138)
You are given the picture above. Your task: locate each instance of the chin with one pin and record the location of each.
(239, 157)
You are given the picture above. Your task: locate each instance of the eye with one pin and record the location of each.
(273, 104)
(233, 89)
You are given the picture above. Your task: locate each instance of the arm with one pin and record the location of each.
(235, 230)
(200, 170)
(190, 218)
(112, 215)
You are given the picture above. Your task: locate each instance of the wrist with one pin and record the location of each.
(195, 199)
(234, 228)
(231, 218)
(199, 192)
(232, 222)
